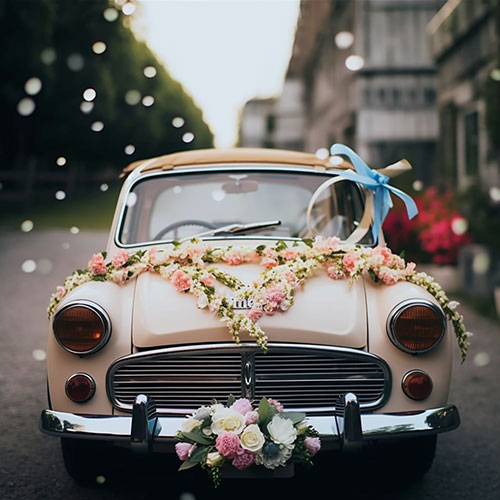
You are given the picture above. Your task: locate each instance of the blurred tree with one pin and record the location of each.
(53, 41)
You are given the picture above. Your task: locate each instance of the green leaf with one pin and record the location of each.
(187, 465)
(373, 276)
(260, 249)
(402, 254)
(281, 245)
(266, 412)
(197, 437)
(104, 254)
(294, 416)
(308, 241)
(198, 454)
(230, 400)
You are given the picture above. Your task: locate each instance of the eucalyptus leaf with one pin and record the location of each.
(266, 412)
(187, 465)
(230, 400)
(294, 416)
(197, 438)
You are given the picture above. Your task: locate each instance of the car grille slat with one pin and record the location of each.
(306, 378)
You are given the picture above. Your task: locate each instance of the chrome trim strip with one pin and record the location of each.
(88, 377)
(374, 426)
(103, 316)
(245, 348)
(398, 310)
(221, 168)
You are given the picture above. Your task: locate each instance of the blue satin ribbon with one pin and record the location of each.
(376, 182)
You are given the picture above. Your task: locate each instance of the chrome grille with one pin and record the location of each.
(306, 378)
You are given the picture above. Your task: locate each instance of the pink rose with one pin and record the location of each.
(97, 266)
(410, 268)
(349, 261)
(313, 445)
(61, 292)
(268, 262)
(243, 459)
(181, 281)
(184, 450)
(234, 258)
(275, 403)
(290, 254)
(208, 280)
(251, 417)
(120, 258)
(334, 272)
(242, 406)
(228, 444)
(255, 313)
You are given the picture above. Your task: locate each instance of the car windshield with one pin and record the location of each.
(246, 202)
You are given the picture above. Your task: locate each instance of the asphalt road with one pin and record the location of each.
(467, 464)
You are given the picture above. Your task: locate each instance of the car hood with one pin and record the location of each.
(325, 312)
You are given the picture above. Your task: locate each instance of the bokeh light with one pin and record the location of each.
(132, 97)
(418, 185)
(60, 195)
(74, 230)
(75, 62)
(97, 126)
(188, 137)
(33, 85)
(110, 14)
(66, 245)
(495, 74)
(48, 56)
(344, 39)
(86, 107)
(128, 9)
(335, 160)
(27, 226)
(218, 194)
(459, 225)
(495, 194)
(322, 153)
(89, 94)
(178, 122)
(177, 189)
(99, 47)
(481, 263)
(44, 266)
(26, 106)
(100, 479)
(149, 71)
(482, 359)
(103, 187)
(187, 496)
(131, 200)
(28, 266)
(354, 63)
(39, 354)
(129, 149)
(61, 161)
(148, 100)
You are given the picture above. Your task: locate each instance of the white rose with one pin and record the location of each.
(282, 431)
(227, 420)
(213, 459)
(252, 438)
(190, 425)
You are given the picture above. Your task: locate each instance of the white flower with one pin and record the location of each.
(453, 304)
(227, 420)
(282, 431)
(213, 459)
(202, 301)
(190, 425)
(252, 438)
(273, 455)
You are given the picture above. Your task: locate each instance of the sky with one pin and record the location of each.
(224, 52)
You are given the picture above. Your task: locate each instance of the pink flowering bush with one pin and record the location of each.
(97, 266)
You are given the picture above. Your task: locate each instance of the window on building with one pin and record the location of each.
(471, 142)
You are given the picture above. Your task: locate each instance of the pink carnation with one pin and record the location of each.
(276, 403)
(327, 245)
(242, 406)
(228, 444)
(410, 268)
(313, 445)
(234, 258)
(268, 262)
(184, 450)
(61, 292)
(349, 261)
(255, 313)
(251, 417)
(334, 272)
(275, 294)
(181, 281)
(120, 258)
(97, 266)
(243, 459)
(208, 280)
(290, 254)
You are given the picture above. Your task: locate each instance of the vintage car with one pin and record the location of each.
(369, 363)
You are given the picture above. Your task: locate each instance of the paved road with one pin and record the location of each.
(467, 464)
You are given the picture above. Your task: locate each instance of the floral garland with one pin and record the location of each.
(236, 432)
(190, 267)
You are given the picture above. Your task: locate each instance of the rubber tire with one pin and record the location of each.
(87, 462)
(407, 459)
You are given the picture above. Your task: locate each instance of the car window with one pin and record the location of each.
(173, 206)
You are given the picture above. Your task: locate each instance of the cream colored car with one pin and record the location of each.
(369, 364)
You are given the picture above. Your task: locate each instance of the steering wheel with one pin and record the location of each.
(186, 222)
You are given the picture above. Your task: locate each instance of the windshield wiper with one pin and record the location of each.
(235, 228)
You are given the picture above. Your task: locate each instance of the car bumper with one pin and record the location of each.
(145, 431)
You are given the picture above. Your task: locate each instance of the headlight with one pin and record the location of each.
(82, 327)
(416, 326)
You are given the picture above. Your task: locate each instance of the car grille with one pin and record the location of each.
(305, 378)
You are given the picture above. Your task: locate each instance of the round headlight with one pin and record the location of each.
(82, 327)
(416, 326)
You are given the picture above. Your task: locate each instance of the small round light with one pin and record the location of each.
(128, 9)
(99, 47)
(354, 63)
(344, 39)
(110, 14)
(33, 85)
(48, 55)
(60, 195)
(26, 106)
(129, 149)
(80, 387)
(417, 385)
(416, 326)
(148, 100)
(132, 97)
(86, 107)
(61, 161)
(75, 62)
(178, 122)
(89, 94)
(149, 71)
(82, 327)
(97, 126)
(322, 154)
(188, 137)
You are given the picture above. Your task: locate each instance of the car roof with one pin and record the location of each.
(200, 157)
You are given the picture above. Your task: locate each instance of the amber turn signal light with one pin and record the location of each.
(417, 384)
(416, 326)
(82, 327)
(80, 387)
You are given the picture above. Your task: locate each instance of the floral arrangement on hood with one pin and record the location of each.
(191, 267)
(242, 436)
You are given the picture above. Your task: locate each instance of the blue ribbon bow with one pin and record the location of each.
(376, 182)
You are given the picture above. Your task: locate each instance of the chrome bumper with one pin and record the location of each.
(144, 430)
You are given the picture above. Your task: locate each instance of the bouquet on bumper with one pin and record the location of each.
(242, 436)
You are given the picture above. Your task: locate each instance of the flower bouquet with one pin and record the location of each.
(237, 433)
